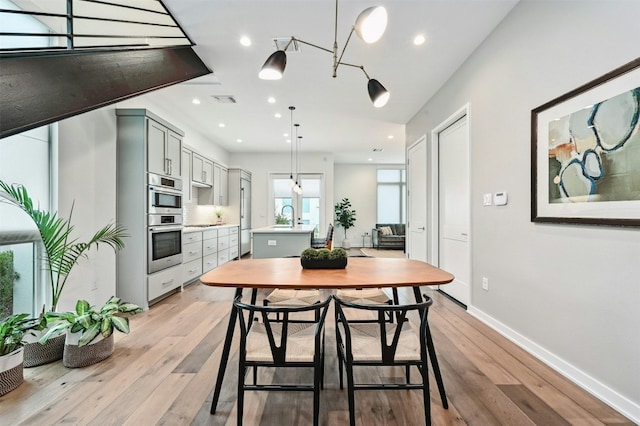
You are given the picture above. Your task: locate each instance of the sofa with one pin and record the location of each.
(388, 236)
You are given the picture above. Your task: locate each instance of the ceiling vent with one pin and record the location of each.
(378, 149)
(225, 99)
(282, 42)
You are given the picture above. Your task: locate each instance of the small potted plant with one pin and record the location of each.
(12, 331)
(346, 217)
(323, 258)
(218, 215)
(89, 337)
(61, 253)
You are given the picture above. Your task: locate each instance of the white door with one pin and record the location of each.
(454, 207)
(417, 200)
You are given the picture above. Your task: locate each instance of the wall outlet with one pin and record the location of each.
(485, 283)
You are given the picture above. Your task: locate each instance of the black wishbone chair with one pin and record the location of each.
(285, 342)
(381, 343)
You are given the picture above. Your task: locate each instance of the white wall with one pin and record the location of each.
(569, 292)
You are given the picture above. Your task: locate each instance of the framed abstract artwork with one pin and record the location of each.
(585, 153)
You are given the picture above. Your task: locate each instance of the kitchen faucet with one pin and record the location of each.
(293, 213)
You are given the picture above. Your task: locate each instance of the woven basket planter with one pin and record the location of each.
(36, 354)
(96, 351)
(11, 371)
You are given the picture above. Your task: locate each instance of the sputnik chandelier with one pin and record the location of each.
(370, 25)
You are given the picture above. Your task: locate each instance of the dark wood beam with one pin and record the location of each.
(43, 88)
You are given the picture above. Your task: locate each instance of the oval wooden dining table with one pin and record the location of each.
(283, 273)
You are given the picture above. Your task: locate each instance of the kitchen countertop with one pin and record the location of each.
(187, 228)
(284, 229)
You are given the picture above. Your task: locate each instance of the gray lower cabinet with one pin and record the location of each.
(162, 282)
(191, 256)
(205, 250)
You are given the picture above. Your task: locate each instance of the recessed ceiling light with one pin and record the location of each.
(286, 135)
(288, 140)
(195, 101)
(239, 140)
(369, 159)
(390, 137)
(221, 125)
(277, 115)
(271, 100)
(419, 40)
(245, 41)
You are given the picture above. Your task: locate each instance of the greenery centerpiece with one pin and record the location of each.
(61, 253)
(323, 258)
(89, 326)
(346, 217)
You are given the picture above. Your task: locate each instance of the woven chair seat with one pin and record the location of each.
(365, 342)
(286, 297)
(300, 342)
(364, 296)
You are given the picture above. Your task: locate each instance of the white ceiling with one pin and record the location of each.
(335, 115)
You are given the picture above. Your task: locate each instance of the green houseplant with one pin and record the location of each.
(8, 276)
(12, 331)
(61, 253)
(89, 326)
(346, 217)
(323, 258)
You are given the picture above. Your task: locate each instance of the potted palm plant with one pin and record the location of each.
(346, 217)
(89, 331)
(61, 253)
(12, 331)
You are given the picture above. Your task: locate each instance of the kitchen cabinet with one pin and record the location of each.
(164, 150)
(209, 250)
(217, 194)
(220, 185)
(146, 143)
(203, 171)
(191, 256)
(205, 250)
(187, 190)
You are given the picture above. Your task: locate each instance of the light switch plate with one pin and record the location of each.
(501, 198)
(486, 200)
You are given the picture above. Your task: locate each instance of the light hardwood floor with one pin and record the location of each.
(164, 373)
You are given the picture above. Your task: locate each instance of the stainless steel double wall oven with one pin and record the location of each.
(164, 222)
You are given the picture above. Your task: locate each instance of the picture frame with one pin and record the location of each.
(585, 153)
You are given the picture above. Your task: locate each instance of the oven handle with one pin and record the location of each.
(165, 228)
(161, 189)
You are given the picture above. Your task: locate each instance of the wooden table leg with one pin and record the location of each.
(225, 351)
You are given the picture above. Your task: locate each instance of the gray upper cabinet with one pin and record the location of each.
(217, 193)
(202, 172)
(164, 155)
(220, 185)
(186, 170)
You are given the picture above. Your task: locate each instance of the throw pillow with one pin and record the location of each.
(386, 230)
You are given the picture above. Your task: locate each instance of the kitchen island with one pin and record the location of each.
(281, 240)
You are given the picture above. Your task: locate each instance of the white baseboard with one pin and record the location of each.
(579, 377)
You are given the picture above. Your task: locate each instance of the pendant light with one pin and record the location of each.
(297, 188)
(369, 26)
(291, 181)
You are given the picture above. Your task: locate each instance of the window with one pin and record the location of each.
(392, 196)
(24, 159)
(307, 206)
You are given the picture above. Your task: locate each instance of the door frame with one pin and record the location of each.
(421, 140)
(433, 249)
